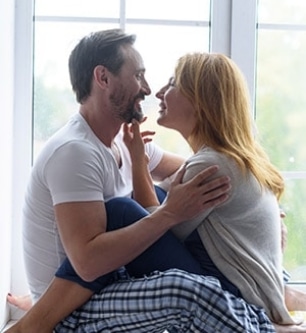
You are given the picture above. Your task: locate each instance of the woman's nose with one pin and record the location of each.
(160, 94)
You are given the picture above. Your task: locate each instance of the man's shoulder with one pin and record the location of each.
(74, 136)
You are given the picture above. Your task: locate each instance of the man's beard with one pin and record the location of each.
(127, 111)
(131, 113)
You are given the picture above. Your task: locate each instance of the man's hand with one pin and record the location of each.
(185, 201)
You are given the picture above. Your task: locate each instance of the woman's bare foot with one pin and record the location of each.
(52, 307)
(290, 328)
(295, 299)
(21, 302)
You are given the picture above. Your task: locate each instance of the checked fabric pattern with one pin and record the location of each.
(173, 300)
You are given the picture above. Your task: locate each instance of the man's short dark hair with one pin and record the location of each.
(98, 48)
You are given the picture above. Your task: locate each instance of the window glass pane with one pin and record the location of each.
(168, 10)
(54, 100)
(294, 205)
(285, 11)
(280, 112)
(80, 8)
(281, 99)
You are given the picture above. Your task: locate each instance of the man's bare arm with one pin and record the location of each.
(94, 252)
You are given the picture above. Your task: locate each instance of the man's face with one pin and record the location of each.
(130, 87)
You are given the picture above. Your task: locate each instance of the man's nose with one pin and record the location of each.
(146, 88)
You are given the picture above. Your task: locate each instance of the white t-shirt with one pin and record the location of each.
(73, 166)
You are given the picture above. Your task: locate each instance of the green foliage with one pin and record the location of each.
(280, 114)
(52, 107)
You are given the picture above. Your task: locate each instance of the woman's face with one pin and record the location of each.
(176, 111)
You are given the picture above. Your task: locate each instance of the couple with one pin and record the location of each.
(222, 235)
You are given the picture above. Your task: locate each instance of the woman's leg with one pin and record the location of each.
(295, 299)
(160, 193)
(165, 253)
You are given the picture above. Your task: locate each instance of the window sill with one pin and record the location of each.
(8, 325)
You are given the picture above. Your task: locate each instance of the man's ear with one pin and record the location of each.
(101, 75)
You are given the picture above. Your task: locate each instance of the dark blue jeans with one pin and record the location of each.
(167, 252)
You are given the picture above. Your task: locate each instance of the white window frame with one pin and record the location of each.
(234, 33)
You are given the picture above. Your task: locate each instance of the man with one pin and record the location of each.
(86, 164)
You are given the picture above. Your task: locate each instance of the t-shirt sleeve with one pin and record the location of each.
(155, 154)
(74, 172)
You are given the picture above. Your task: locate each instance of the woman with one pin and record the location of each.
(207, 102)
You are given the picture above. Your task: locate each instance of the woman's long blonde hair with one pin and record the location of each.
(218, 91)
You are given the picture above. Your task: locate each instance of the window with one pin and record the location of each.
(280, 112)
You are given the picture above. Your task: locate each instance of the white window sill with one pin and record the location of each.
(8, 325)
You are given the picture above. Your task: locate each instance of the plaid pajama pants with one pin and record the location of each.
(172, 300)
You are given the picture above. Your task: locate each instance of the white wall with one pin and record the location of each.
(15, 143)
(22, 141)
(6, 148)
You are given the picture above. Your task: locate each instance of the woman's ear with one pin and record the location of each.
(101, 75)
